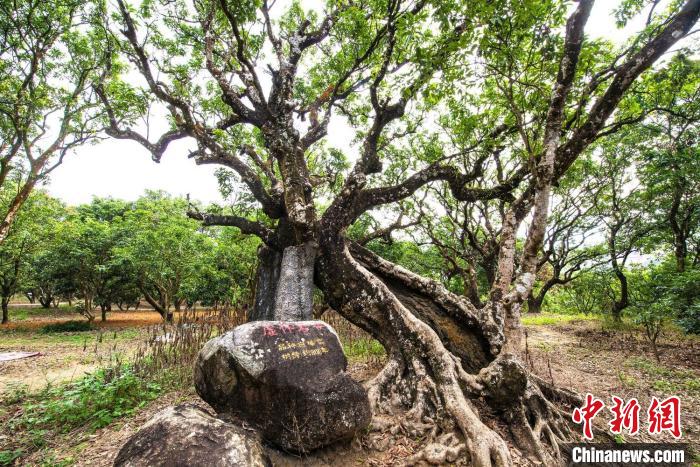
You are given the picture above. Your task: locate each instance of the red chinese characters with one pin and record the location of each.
(626, 416)
(662, 415)
(665, 416)
(586, 414)
(286, 328)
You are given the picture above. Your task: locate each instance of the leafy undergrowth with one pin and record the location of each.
(666, 379)
(82, 406)
(363, 349)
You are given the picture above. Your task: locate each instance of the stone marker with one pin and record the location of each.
(287, 379)
(294, 296)
(187, 436)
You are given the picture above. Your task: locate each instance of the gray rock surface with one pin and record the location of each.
(294, 294)
(185, 435)
(287, 379)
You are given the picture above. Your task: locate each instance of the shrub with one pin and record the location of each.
(590, 293)
(67, 326)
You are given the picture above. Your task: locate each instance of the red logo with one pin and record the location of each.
(626, 416)
(665, 416)
(586, 414)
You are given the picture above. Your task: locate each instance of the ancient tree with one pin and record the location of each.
(426, 91)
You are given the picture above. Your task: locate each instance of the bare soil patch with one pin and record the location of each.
(586, 358)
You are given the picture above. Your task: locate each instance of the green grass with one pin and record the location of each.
(664, 379)
(626, 380)
(363, 349)
(24, 313)
(31, 337)
(550, 319)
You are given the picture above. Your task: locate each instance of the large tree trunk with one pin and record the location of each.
(46, 301)
(681, 252)
(284, 283)
(294, 296)
(162, 309)
(535, 301)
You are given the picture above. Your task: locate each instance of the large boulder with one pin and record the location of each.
(187, 436)
(287, 379)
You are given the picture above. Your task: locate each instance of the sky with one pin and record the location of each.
(123, 169)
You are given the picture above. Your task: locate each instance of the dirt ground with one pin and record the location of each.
(578, 355)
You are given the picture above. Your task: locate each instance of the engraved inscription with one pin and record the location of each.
(301, 349)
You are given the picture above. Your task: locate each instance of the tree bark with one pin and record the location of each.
(443, 352)
(681, 252)
(45, 301)
(160, 308)
(623, 302)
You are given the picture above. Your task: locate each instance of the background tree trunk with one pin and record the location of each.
(623, 302)
(534, 304)
(5, 310)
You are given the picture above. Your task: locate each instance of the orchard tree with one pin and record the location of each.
(568, 248)
(226, 271)
(32, 227)
(48, 62)
(624, 213)
(669, 155)
(468, 240)
(85, 262)
(427, 91)
(164, 251)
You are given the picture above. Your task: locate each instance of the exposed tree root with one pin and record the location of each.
(446, 449)
(538, 426)
(441, 364)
